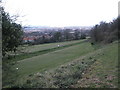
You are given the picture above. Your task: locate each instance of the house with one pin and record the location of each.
(28, 39)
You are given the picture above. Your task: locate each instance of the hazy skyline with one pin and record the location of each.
(59, 13)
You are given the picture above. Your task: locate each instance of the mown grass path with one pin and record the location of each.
(40, 47)
(46, 50)
(53, 59)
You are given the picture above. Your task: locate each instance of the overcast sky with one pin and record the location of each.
(61, 13)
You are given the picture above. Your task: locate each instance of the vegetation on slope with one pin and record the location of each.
(96, 69)
(42, 49)
(53, 59)
(104, 72)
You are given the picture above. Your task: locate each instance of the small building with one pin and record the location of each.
(28, 39)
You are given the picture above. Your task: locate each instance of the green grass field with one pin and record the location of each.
(34, 48)
(74, 66)
(104, 72)
(52, 59)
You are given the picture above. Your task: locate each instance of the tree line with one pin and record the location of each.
(106, 32)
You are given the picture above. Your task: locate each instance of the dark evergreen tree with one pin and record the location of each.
(11, 33)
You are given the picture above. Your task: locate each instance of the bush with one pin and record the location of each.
(105, 32)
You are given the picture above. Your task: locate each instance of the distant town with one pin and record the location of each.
(34, 34)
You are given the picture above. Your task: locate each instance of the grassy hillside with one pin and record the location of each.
(81, 65)
(53, 59)
(35, 48)
(104, 72)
